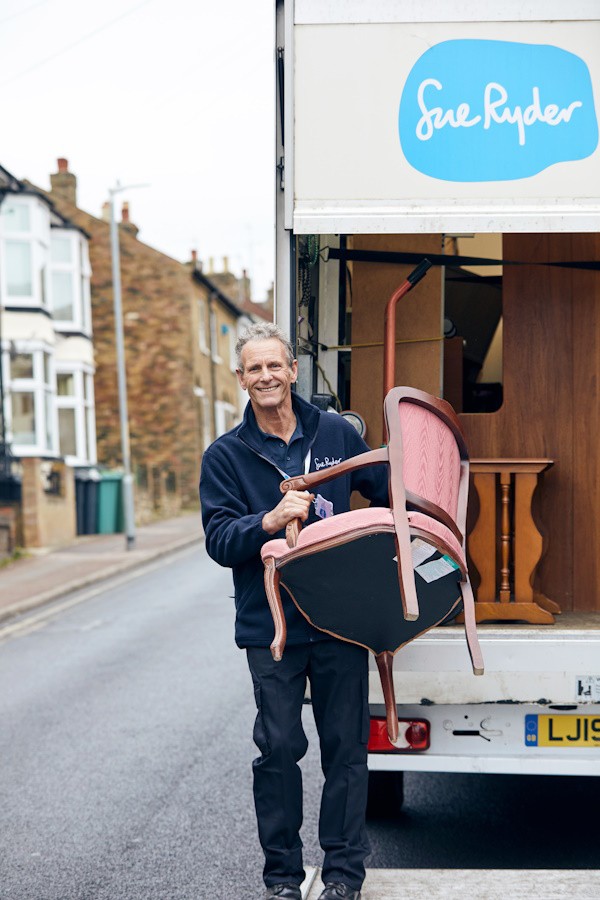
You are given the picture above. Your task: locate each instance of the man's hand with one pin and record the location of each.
(293, 505)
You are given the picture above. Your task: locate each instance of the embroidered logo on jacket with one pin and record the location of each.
(326, 462)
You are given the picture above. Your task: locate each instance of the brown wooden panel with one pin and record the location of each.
(536, 418)
(586, 426)
(418, 315)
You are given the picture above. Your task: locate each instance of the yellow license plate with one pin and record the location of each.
(562, 731)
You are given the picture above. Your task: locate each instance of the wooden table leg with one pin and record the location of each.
(505, 541)
(482, 540)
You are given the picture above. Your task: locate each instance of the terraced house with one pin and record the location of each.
(59, 371)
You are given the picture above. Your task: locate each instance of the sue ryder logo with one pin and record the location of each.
(474, 110)
(326, 462)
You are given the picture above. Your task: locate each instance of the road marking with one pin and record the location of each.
(30, 622)
(311, 874)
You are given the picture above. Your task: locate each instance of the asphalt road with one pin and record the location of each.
(125, 749)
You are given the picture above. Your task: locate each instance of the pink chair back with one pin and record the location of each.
(431, 457)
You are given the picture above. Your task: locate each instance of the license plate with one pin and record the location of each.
(562, 731)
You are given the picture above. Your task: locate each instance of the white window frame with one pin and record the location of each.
(202, 343)
(221, 410)
(44, 392)
(81, 321)
(232, 343)
(214, 336)
(38, 238)
(85, 425)
(207, 437)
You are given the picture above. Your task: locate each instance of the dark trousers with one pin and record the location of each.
(338, 675)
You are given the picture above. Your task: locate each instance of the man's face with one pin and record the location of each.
(266, 374)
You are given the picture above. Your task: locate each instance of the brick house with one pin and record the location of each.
(47, 350)
(171, 316)
(47, 417)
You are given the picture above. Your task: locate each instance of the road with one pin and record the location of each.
(125, 741)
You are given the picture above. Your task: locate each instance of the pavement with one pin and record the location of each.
(48, 574)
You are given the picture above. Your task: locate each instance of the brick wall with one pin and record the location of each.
(47, 519)
(159, 300)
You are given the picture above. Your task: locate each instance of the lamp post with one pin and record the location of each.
(128, 507)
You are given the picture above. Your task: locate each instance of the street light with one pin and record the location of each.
(128, 510)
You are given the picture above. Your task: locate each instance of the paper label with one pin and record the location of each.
(436, 569)
(323, 507)
(421, 551)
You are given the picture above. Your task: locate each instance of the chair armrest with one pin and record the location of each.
(312, 479)
(420, 504)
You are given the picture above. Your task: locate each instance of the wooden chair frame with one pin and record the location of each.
(401, 502)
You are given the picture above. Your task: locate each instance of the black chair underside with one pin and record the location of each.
(352, 591)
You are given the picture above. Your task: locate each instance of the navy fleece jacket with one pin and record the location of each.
(238, 485)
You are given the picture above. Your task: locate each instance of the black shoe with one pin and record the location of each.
(336, 889)
(285, 892)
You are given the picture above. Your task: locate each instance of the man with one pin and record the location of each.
(282, 435)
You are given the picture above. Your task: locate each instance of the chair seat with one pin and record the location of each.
(350, 589)
(331, 528)
(344, 528)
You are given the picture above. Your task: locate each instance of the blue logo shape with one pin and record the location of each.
(476, 110)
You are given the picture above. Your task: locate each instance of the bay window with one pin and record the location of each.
(30, 393)
(25, 226)
(69, 281)
(75, 406)
(19, 269)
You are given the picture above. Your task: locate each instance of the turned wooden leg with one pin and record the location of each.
(385, 662)
(505, 538)
(275, 605)
(471, 628)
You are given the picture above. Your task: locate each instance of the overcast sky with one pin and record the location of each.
(174, 93)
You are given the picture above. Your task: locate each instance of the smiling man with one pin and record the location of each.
(282, 435)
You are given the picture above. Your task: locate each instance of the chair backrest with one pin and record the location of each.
(426, 445)
(430, 457)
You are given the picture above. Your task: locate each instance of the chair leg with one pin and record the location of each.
(385, 661)
(471, 628)
(276, 607)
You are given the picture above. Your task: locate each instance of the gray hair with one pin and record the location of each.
(263, 331)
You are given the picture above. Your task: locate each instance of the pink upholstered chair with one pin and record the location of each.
(379, 577)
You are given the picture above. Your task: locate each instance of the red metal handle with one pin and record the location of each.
(389, 339)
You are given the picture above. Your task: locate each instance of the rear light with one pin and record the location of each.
(413, 734)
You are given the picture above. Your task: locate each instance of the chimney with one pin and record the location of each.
(126, 224)
(63, 183)
(196, 263)
(244, 286)
(225, 264)
(106, 211)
